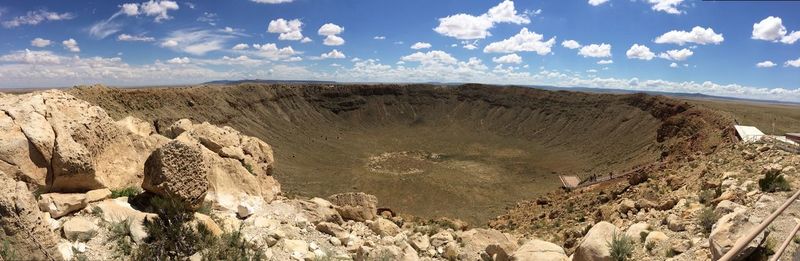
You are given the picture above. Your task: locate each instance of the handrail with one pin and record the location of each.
(754, 232)
(786, 242)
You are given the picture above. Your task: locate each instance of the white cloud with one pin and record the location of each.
(39, 42)
(470, 46)
(104, 28)
(288, 30)
(240, 47)
(640, 52)
(294, 59)
(509, 58)
(698, 35)
(379, 37)
(676, 55)
(196, 41)
(330, 32)
(135, 38)
(772, 29)
(31, 57)
(597, 2)
(130, 9)
(766, 64)
(36, 17)
(605, 62)
(596, 51)
(524, 41)
(667, 6)
(71, 45)
(272, 1)
(431, 57)
(272, 52)
(158, 9)
(306, 40)
(334, 54)
(330, 29)
(468, 27)
(673, 65)
(420, 45)
(793, 63)
(333, 40)
(209, 18)
(571, 44)
(179, 60)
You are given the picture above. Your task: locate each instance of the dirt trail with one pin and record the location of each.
(494, 145)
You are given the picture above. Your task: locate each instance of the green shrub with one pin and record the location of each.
(706, 219)
(229, 246)
(706, 196)
(773, 181)
(119, 234)
(249, 168)
(621, 247)
(7, 252)
(126, 192)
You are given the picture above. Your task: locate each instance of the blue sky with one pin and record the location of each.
(741, 49)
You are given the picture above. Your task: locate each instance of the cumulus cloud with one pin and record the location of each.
(272, 52)
(468, 27)
(71, 45)
(698, 35)
(240, 46)
(766, 64)
(196, 41)
(510, 58)
(676, 55)
(667, 6)
(179, 60)
(524, 41)
(288, 30)
(640, 52)
(331, 31)
(39, 42)
(597, 2)
(333, 54)
(158, 9)
(673, 65)
(772, 29)
(31, 57)
(134, 38)
(306, 40)
(571, 44)
(130, 9)
(36, 17)
(792, 63)
(605, 62)
(431, 57)
(379, 37)
(596, 51)
(420, 45)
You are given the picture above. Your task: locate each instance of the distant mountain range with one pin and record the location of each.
(544, 87)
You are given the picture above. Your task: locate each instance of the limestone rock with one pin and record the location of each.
(540, 250)
(728, 229)
(22, 226)
(319, 210)
(724, 207)
(59, 205)
(655, 238)
(356, 206)
(420, 242)
(80, 229)
(332, 229)
(675, 223)
(626, 205)
(635, 231)
(97, 195)
(209, 224)
(384, 227)
(478, 239)
(441, 238)
(118, 210)
(594, 245)
(177, 171)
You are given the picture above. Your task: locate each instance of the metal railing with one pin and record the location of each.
(743, 242)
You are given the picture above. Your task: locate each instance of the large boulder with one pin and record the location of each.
(118, 210)
(80, 229)
(318, 210)
(22, 226)
(59, 205)
(384, 227)
(476, 240)
(730, 228)
(240, 166)
(177, 171)
(539, 250)
(594, 246)
(356, 206)
(77, 144)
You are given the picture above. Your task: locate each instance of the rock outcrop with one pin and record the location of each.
(730, 228)
(357, 206)
(594, 246)
(539, 250)
(177, 171)
(22, 226)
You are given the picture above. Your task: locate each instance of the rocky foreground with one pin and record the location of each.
(77, 185)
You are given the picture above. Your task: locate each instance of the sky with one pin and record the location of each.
(746, 49)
